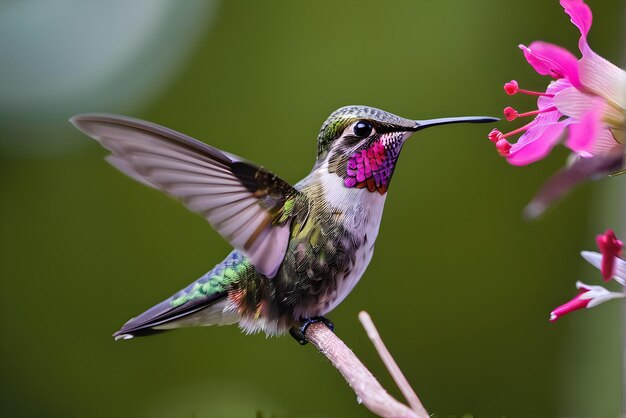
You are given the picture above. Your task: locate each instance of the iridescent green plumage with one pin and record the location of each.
(217, 281)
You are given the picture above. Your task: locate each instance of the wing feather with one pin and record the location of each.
(242, 201)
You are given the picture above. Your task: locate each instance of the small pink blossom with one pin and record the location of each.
(585, 104)
(611, 248)
(588, 297)
(597, 259)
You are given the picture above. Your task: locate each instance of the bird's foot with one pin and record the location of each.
(298, 332)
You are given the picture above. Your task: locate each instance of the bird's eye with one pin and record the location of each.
(362, 129)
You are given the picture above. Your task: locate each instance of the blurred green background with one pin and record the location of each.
(460, 287)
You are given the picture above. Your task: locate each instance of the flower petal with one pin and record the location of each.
(580, 15)
(573, 103)
(573, 305)
(552, 60)
(537, 142)
(596, 294)
(604, 141)
(603, 78)
(594, 258)
(547, 101)
(583, 134)
(582, 169)
(619, 270)
(611, 249)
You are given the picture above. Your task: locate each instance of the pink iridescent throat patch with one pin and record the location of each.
(372, 167)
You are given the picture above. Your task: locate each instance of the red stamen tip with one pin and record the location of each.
(510, 113)
(494, 135)
(511, 87)
(504, 147)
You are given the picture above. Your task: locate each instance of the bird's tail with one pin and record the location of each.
(204, 302)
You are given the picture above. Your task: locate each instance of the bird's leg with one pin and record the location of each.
(298, 332)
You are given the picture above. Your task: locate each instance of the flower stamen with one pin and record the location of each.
(494, 135)
(515, 131)
(512, 114)
(499, 139)
(512, 88)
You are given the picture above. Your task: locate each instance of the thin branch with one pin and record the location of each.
(392, 366)
(367, 388)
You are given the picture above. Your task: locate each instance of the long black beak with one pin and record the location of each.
(421, 124)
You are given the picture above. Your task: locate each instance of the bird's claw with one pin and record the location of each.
(299, 332)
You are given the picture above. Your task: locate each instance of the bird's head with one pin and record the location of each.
(361, 144)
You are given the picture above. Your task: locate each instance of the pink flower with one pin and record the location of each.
(586, 100)
(611, 248)
(590, 296)
(597, 260)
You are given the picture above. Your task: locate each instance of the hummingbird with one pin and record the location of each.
(298, 249)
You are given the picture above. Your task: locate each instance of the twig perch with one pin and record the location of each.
(367, 388)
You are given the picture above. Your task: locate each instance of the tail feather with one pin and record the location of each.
(163, 316)
(204, 302)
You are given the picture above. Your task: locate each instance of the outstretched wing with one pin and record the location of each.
(248, 205)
